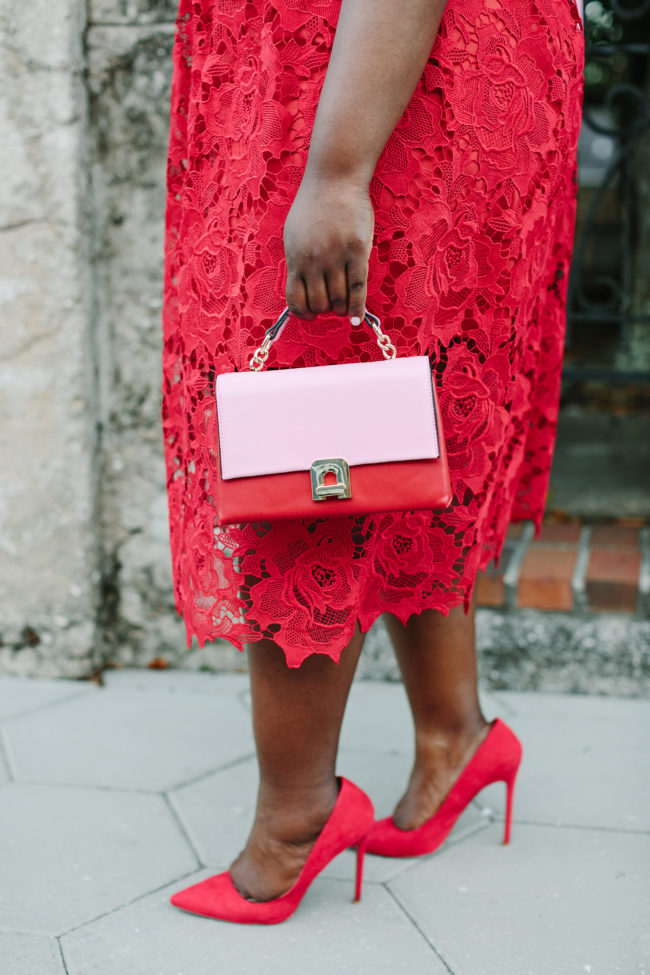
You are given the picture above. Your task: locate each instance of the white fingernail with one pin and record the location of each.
(355, 321)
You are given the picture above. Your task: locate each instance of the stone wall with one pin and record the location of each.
(85, 569)
(129, 71)
(128, 78)
(48, 442)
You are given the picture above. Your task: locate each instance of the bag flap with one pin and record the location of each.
(366, 412)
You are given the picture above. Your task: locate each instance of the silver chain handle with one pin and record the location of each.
(259, 357)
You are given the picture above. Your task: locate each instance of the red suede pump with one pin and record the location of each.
(497, 759)
(348, 826)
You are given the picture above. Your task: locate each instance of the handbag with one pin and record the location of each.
(326, 441)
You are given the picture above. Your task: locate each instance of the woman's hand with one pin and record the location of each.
(378, 55)
(327, 240)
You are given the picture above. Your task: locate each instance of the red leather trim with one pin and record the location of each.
(402, 486)
(399, 486)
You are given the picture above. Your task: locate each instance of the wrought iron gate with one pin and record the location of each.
(608, 334)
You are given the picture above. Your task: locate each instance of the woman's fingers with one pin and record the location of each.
(316, 294)
(357, 277)
(342, 291)
(296, 297)
(337, 290)
(317, 297)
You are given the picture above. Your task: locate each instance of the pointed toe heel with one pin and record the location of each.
(348, 826)
(497, 759)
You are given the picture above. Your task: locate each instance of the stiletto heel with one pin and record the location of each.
(497, 759)
(348, 825)
(510, 791)
(361, 852)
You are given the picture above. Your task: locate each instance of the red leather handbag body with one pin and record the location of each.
(326, 441)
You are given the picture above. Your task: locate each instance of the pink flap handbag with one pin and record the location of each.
(326, 441)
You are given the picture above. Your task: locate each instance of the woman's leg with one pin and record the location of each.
(297, 717)
(437, 658)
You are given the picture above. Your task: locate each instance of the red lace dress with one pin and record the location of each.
(475, 198)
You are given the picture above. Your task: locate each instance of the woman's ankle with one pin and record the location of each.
(293, 815)
(449, 742)
(285, 829)
(441, 754)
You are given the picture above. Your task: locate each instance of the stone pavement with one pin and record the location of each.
(113, 797)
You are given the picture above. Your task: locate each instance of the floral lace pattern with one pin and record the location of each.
(474, 196)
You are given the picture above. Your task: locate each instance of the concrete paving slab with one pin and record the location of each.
(4, 771)
(29, 954)
(99, 864)
(68, 855)
(550, 707)
(377, 718)
(19, 695)
(327, 934)
(496, 705)
(129, 739)
(585, 762)
(175, 681)
(554, 902)
(217, 812)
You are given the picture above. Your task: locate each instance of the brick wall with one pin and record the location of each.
(571, 567)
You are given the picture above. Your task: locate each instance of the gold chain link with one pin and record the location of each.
(388, 350)
(260, 356)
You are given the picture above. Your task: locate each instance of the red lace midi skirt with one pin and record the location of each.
(475, 199)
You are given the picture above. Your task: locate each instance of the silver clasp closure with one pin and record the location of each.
(338, 466)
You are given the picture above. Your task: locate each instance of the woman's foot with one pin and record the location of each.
(280, 841)
(439, 761)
